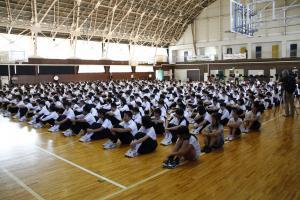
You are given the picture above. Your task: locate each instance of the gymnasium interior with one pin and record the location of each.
(173, 55)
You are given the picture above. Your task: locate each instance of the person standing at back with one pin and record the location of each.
(289, 86)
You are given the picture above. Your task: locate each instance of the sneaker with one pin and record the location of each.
(32, 122)
(166, 141)
(85, 138)
(38, 125)
(54, 129)
(107, 143)
(23, 119)
(131, 153)
(68, 133)
(196, 131)
(171, 164)
(110, 146)
(246, 131)
(7, 114)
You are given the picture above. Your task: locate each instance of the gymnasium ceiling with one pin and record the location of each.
(143, 22)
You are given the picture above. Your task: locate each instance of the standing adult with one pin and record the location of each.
(289, 86)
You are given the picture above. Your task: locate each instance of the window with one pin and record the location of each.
(229, 50)
(293, 52)
(258, 52)
(120, 68)
(91, 69)
(186, 54)
(144, 68)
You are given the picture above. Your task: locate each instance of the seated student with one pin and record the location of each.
(42, 110)
(23, 110)
(81, 122)
(48, 119)
(158, 122)
(187, 147)
(136, 117)
(144, 141)
(234, 126)
(12, 108)
(114, 115)
(213, 134)
(252, 119)
(201, 120)
(177, 121)
(64, 121)
(124, 132)
(224, 114)
(98, 130)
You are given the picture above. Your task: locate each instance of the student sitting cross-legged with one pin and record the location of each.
(234, 126)
(64, 121)
(98, 130)
(145, 140)
(124, 132)
(81, 122)
(176, 121)
(186, 147)
(213, 134)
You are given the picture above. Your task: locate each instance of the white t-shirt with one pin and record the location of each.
(130, 124)
(105, 124)
(20, 104)
(69, 114)
(117, 114)
(150, 132)
(137, 118)
(89, 118)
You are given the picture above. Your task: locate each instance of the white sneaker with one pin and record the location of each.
(7, 114)
(110, 146)
(54, 129)
(22, 119)
(246, 130)
(68, 133)
(131, 153)
(86, 138)
(107, 143)
(38, 125)
(166, 141)
(32, 122)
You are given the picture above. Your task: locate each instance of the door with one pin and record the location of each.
(193, 75)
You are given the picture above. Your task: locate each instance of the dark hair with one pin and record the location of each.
(158, 111)
(87, 108)
(179, 112)
(183, 132)
(147, 122)
(129, 113)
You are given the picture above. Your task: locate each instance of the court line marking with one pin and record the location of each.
(22, 184)
(135, 184)
(163, 172)
(82, 168)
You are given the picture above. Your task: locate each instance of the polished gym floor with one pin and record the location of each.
(36, 164)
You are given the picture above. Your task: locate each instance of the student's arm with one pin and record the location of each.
(185, 147)
(95, 130)
(141, 140)
(173, 128)
(176, 147)
(121, 130)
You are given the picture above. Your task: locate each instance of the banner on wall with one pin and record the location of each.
(234, 56)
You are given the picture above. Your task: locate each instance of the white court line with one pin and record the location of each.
(82, 168)
(135, 184)
(28, 189)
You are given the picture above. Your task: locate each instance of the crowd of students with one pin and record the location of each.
(134, 112)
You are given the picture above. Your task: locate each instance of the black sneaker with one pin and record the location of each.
(207, 150)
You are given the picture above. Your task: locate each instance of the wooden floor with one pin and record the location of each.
(35, 164)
